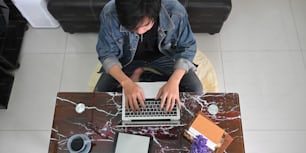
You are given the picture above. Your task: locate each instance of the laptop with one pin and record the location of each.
(152, 115)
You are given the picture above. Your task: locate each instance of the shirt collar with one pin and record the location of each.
(165, 21)
(123, 29)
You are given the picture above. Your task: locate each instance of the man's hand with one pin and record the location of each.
(133, 94)
(170, 95)
(170, 91)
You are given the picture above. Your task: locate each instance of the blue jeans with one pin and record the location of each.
(163, 65)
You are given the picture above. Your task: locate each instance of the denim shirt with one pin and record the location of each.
(117, 46)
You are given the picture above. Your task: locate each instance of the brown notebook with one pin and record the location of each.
(216, 137)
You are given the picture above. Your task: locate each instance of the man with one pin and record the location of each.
(136, 35)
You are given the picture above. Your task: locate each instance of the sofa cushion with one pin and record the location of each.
(76, 10)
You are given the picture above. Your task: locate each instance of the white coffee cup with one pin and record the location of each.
(79, 143)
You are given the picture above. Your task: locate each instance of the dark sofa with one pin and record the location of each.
(75, 16)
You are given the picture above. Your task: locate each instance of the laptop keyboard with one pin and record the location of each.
(152, 110)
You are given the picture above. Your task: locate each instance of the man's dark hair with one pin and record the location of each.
(131, 12)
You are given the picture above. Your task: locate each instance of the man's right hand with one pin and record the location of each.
(133, 95)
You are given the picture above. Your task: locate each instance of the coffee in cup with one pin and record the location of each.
(79, 143)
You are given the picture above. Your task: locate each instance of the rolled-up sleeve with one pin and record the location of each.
(184, 64)
(109, 62)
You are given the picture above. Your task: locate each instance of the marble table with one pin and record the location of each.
(102, 117)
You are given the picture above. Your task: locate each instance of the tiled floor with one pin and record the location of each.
(260, 54)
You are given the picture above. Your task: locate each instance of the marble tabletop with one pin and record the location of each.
(102, 117)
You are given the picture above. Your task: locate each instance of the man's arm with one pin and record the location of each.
(132, 91)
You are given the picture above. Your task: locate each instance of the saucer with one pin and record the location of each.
(85, 139)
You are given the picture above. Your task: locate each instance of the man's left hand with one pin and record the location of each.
(169, 94)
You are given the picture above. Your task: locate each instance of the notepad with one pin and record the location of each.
(130, 143)
(201, 125)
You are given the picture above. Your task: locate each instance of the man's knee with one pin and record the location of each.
(106, 83)
(191, 83)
